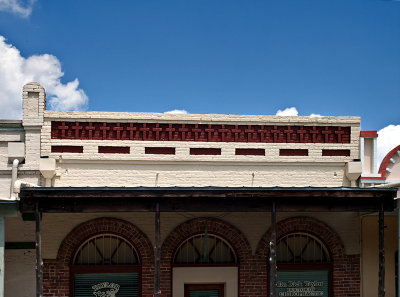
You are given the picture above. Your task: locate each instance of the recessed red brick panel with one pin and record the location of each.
(114, 149)
(250, 152)
(66, 149)
(199, 132)
(160, 150)
(368, 134)
(293, 152)
(330, 153)
(205, 151)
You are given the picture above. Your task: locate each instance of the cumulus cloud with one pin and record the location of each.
(315, 115)
(15, 71)
(177, 111)
(389, 138)
(19, 7)
(290, 111)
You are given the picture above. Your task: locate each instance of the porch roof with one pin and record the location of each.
(204, 199)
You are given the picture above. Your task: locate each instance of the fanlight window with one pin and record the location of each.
(301, 248)
(106, 249)
(205, 249)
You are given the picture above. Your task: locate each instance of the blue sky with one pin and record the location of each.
(338, 57)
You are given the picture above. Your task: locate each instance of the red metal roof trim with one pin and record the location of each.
(368, 134)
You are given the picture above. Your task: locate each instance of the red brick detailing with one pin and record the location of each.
(346, 268)
(205, 151)
(160, 150)
(385, 161)
(293, 152)
(56, 276)
(249, 269)
(250, 152)
(329, 153)
(368, 134)
(66, 149)
(114, 149)
(199, 132)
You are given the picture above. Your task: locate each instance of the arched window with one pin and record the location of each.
(301, 248)
(106, 249)
(105, 264)
(205, 249)
(304, 265)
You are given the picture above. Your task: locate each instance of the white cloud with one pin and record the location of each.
(15, 71)
(19, 7)
(389, 138)
(177, 111)
(315, 115)
(290, 111)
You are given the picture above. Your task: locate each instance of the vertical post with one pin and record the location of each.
(39, 276)
(398, 246)
(381, 286)
(272, 249)
(157, 291)
(2, 231)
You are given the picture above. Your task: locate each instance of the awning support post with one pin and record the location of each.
(157, 291)
(39, 276)
(398, 244)
(381, 286)
(272, 249)
(2, 244)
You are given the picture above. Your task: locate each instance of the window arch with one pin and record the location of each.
(106, 249)
(298, 247)
(205, 249)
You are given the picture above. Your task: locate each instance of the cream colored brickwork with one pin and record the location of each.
(252, 225)
(182, 169)
(200, 174)
(20, 274)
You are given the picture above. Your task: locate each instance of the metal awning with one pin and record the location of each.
(204, 199)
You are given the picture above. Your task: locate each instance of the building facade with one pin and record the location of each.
(134, 204)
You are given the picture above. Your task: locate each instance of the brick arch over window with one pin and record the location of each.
(56, 272)
(217, 227)
(346, 268)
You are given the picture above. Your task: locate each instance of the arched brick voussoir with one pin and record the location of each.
(105, 225)
(308, 225)
(215, 226)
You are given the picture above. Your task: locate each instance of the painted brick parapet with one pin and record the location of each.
(56, 273)
(199, 132)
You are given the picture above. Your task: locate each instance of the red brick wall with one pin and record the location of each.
(253, 269)
(56, 276)
(346, 268)
(248, 268)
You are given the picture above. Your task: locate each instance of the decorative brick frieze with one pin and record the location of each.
(249, 152)
(293, 152)
(205, 151)
(199, 132)
(160, 150)
(330, 153)
(66, 149)
(114, 149)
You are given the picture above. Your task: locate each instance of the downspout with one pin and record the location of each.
(14, 175)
